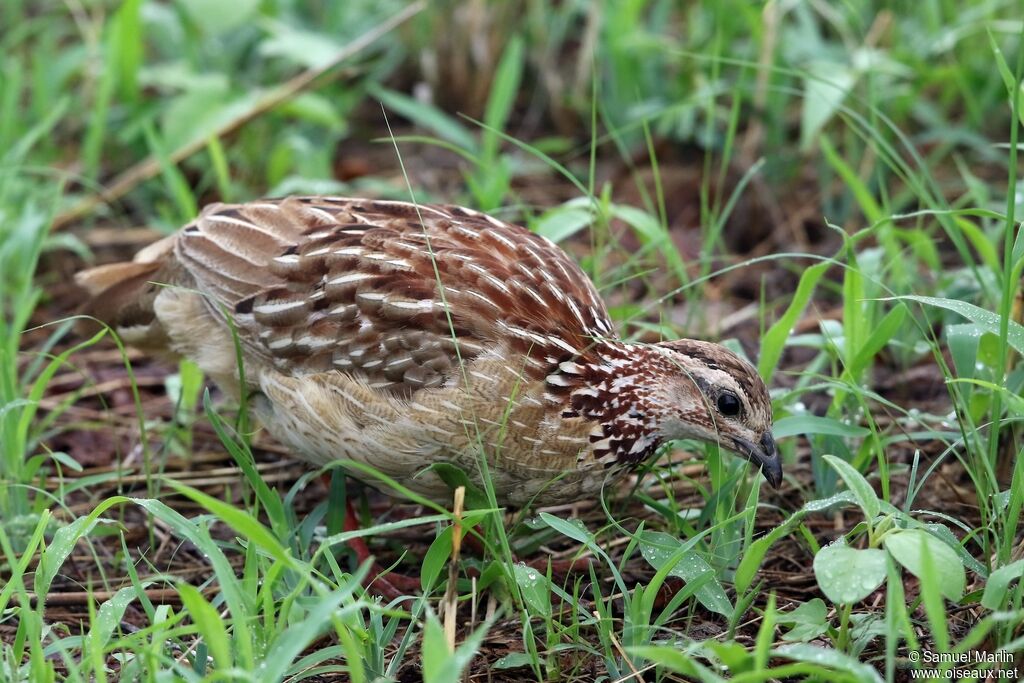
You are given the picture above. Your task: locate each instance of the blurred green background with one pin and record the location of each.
(829, 187)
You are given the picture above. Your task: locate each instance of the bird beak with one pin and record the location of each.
(765, 455)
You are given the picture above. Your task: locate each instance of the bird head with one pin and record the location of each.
(709, 393)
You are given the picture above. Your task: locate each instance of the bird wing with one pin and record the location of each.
(392, 292)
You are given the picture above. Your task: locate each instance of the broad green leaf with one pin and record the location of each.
(217, 17)
(833, 659)
(570, 528)
(825, 88)
(855, 481)
(795, 425)
(847, 575)
(125, 45)
(201, 112)
(435, 558)
(535, 587)
(998, 584)
(64, 541)
(562, 221)
(963, 339)
(986, 320)
(454, 477)
(111, 615)
(676, 660)
(659, 549)
(513, 660)
(299, 45)
(808, 621)
(908, 546)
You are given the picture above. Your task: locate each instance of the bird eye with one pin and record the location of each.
(728, 404)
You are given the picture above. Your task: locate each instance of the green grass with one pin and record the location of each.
(834, 187)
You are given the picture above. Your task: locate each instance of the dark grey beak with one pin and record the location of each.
(765, 455)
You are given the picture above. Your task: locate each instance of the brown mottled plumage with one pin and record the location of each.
(399, 336)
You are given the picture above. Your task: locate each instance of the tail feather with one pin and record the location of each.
(123, 295)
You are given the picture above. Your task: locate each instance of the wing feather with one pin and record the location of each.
(389, 291)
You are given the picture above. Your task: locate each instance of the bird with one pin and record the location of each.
(401, 335)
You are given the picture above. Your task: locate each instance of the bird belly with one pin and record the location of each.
(530, 455)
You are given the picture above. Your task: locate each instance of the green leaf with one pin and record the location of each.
(986, 320)
(239, 520)
(755, 552)
(835, 660)
(298, 45)
(652, 233)
(881, 335)
(866, 497)
(908, 546)
(847, 575)
(570, 528)
(435, 558)
(217, 17)
(998, 584)
(64, 541)
(675, 660)
(439, 664)
(125, 47)
(808, 621)
(426, 116)
(661, 549)
(825, 88)
(562, 222)
(1009, 80)
(773, 342)
(300, 635)
(201, 112)
(795, 425)
(963, 340)
(208, 623)
(513, 660)
(454, 477)
(111, 615)
(864, 196)
(504, 90)
(535, 587)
